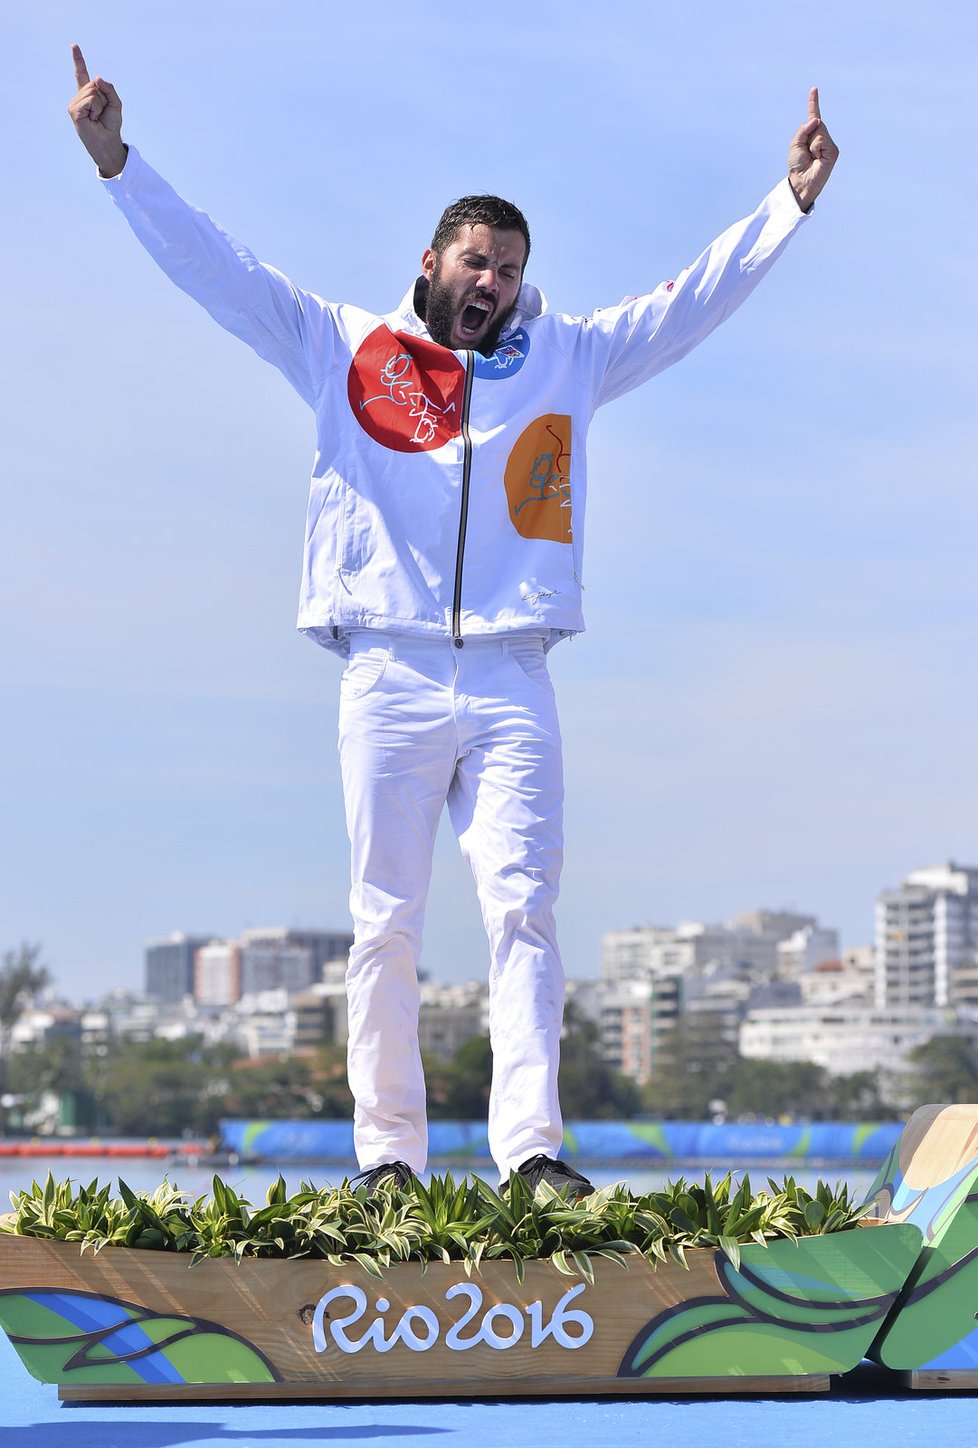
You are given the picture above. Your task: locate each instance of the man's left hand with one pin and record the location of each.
(812, 155)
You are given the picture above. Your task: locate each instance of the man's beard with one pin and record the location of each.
(441, 314)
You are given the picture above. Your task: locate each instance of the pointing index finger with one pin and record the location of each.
(813, 111)
(81, 70)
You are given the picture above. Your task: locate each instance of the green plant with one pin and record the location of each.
(466, 1221)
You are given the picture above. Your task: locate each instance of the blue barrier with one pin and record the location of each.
(587, 1142)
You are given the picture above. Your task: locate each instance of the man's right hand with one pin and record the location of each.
(97, 113)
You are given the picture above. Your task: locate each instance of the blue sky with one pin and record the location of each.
(774, 703)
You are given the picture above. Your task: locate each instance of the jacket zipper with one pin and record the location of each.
(464, 501)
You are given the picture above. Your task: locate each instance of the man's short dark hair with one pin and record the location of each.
(479, 210)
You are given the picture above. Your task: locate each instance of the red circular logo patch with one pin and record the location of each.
(406, 392)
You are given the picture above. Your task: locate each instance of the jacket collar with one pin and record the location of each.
(530, 303)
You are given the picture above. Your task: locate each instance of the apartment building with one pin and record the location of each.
(169, 966)
(927, 939)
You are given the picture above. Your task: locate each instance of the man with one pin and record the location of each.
(443, 557)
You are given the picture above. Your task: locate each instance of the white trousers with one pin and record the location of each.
(421, 723)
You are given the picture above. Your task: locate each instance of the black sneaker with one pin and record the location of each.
(556, 1174)
(395, 1174)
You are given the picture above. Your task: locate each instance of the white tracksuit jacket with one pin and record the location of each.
(448, 490)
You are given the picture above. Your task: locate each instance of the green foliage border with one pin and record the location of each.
(466, 1221)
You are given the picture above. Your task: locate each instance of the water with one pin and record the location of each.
(252, 1182)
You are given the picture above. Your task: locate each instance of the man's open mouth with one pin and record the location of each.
(474, 317)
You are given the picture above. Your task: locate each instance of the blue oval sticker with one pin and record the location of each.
(508, 357)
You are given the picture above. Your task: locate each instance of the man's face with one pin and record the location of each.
(472, 286)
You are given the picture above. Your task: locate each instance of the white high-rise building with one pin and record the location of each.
(217, 973)
(927, 939)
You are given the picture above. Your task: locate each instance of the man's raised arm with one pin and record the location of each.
(291, 328)
(96, 111)
(645, 334)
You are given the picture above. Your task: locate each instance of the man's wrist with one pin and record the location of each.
(112, 164)
(804, 205)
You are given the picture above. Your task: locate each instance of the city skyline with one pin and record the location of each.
(314, 936)
(773, 705)
(768, 986)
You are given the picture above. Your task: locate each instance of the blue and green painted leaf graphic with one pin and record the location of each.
(792, 1307)
(80, 1337)
(934, 1325)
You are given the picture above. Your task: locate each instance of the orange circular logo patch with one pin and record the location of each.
(406, 392)
(538, 479)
